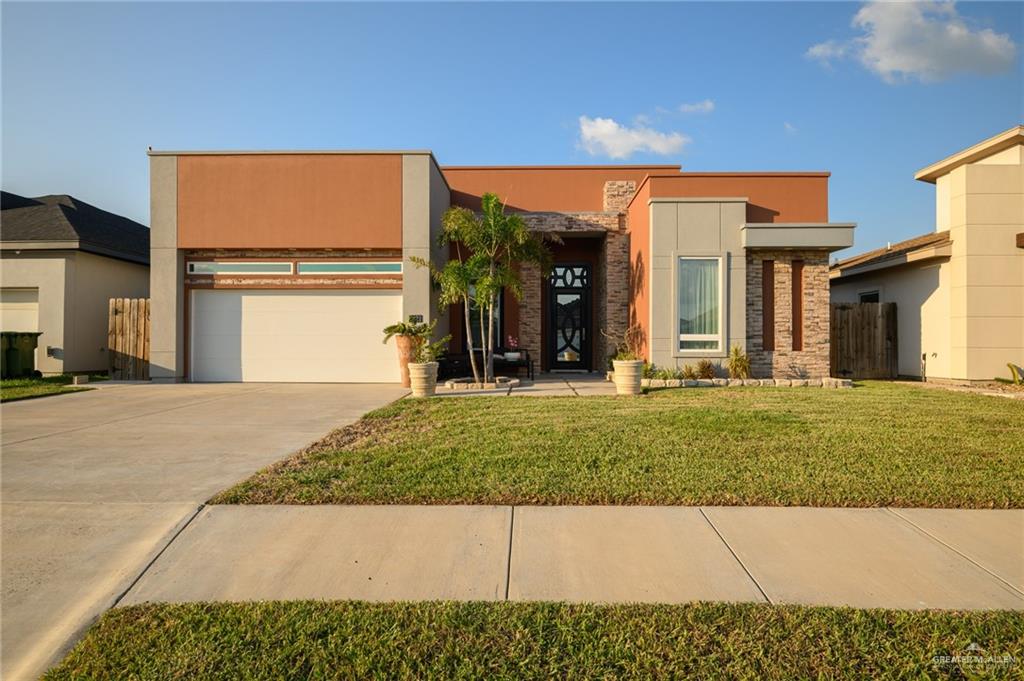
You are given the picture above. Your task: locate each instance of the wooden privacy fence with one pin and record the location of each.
(128, 339)
(863, 340)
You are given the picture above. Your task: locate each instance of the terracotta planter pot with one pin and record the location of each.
(627, 376)
(424, 378)
(405, 345)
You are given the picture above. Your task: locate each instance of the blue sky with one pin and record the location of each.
(869, 92)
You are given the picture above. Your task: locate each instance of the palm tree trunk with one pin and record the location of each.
(469, 336)
(483, 340)
(490, 337)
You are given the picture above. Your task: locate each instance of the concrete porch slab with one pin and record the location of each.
(622, 554)
(240, 553)
(994, 539)
(865, 558)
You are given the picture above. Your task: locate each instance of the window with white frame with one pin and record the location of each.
(699, 304)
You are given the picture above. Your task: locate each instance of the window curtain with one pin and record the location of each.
(698, 297)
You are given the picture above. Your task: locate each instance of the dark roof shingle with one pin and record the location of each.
(60, 217)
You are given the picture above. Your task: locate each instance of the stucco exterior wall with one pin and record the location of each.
(424, 200)
(986, 208)
(166, 274)
(75, 289)
(93, 281)
(921, 293)
(290, 200)
(695, 227)
(771, 197)
(42, 270)
(570, 189)
(638, 220)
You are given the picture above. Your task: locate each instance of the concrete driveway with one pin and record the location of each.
(95, 484)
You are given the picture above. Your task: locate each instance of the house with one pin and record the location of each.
(285, 266)
(959, 290)
(62, 261)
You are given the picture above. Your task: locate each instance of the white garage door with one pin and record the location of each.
(19, 309)
(313, 336)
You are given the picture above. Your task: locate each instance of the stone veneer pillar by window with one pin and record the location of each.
(784, 362)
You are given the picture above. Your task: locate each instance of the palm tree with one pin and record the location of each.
(495, 242)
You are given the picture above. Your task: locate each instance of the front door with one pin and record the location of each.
(569, 320)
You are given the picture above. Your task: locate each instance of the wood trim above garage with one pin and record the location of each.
(292, 277)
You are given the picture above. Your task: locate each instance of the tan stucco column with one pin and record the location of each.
(166, 274)
(425, 197)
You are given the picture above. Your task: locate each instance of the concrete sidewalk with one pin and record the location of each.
(885, 558)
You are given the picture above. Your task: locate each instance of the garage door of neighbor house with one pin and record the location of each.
(307, 336)
(19, 309)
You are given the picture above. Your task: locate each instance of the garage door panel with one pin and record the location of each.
(19, 309)
(300, 336)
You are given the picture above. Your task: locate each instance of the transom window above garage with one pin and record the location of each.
(209, 267)
(350, 267)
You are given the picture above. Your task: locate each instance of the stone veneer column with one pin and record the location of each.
(784, 362)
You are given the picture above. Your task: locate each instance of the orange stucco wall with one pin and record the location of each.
(772, 197)
(290, 201)
(539, 188)
(639, 220)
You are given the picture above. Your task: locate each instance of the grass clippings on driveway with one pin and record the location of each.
(13, 389)
(876, 445)
(355, 640)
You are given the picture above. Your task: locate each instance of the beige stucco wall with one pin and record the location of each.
(93, 281)
(166, 274)
(425, 197)
(42, 270)
(921, 293)
(695, 227)
(74, 293)
(986, 209)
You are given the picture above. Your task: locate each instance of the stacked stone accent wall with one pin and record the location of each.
(784, 362)
(617, 195)
(610, 288)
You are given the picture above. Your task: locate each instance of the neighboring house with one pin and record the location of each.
(285, 266)
(959, 291)
(62, 261)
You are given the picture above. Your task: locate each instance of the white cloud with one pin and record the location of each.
(704, 106)
(607, 137)
(789, 127)
(926, 40)
(828, 50)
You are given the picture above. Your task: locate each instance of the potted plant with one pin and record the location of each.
(406, 335)
(628, 362)
(513, 345)
(423, 368)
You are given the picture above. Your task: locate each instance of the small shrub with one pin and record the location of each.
(689, 373)
(705, 369)
(739, 363)
(649, 370)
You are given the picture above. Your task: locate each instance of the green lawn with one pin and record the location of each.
(12, 389)
(353, 640)
(878, 444)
